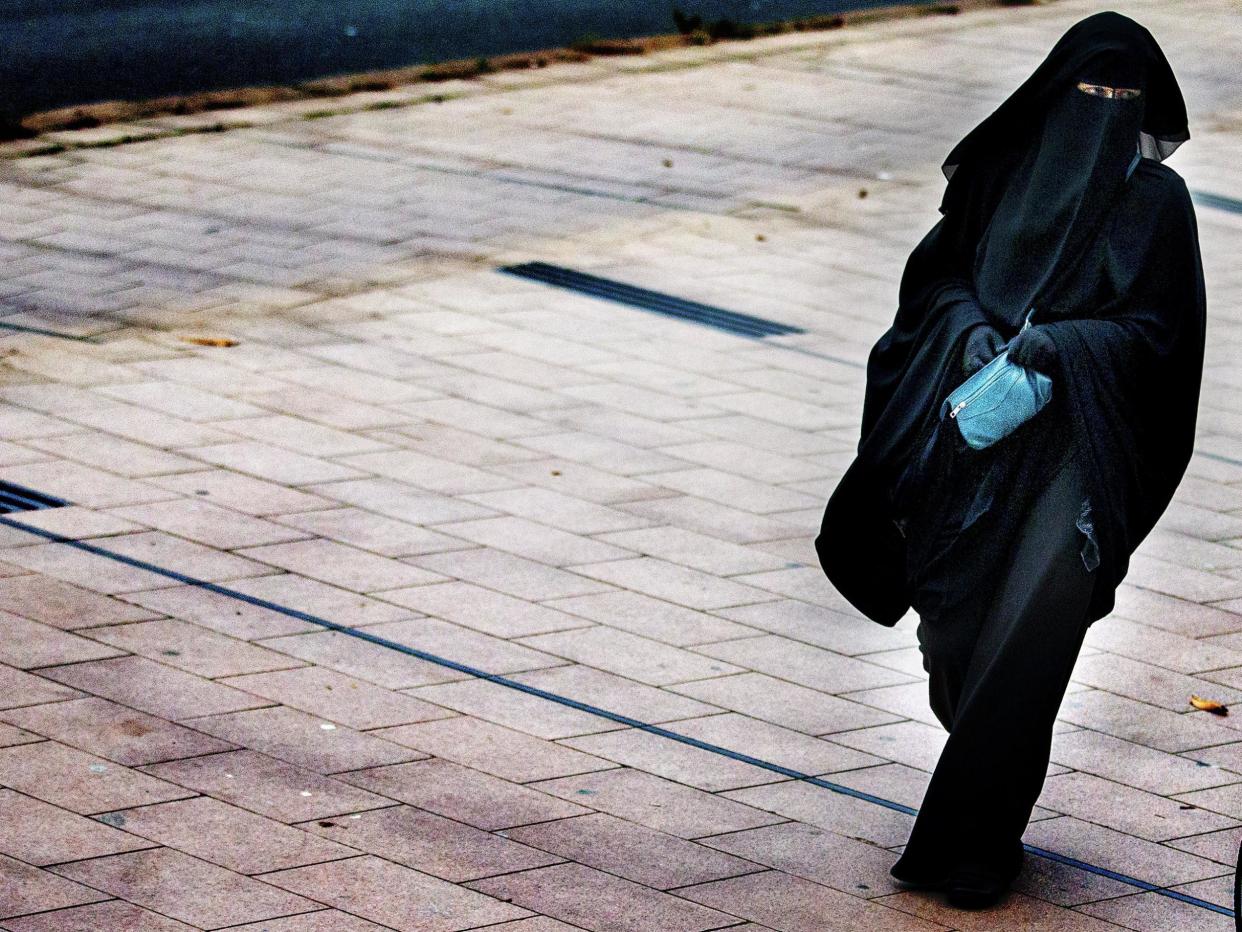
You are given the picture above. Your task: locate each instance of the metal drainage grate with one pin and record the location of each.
(654, 301)
(16, 498)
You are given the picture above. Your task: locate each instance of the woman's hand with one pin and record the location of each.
(1034, 349)
(983, 344)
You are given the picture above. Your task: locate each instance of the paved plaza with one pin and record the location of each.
(395, 591)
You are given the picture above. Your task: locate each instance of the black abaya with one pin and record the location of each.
(999, 661)
(1045, 209)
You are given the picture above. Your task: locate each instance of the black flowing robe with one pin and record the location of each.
(1127, 319)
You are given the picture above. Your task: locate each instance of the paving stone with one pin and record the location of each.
(642, 615)
(836, 812)
(534, 541)
(185, 888)
(520, 711)
(77, 781)
(792, 904)
(191, 648)
(580, 480)
(57, 603)
(82, 485)
(1170, 613)
(546, 924)
(1142, 723)
(26, 889)
(814, 854)
(774, 744)
(1028, 912)
(303, 739)
(114, 914)
(388, 537)
(222, 613)
(558, 510)
(397, 500)
(634, 852)
(20, 689)
(325, 920)
(11, 736)
(821, 627)
(296, 434)
(432, 844)
(463, 794)
(1126, 809)
(806, 665)
(1135, 765)
(671, 582)
(911, 743)
(41, 834)
(370, 662)
(493, 749)
(462, 645)
(87, 569)
(761, 498)
(513, 575)
(246, 494)
(1125, 854)
(1220, 846)
(711, 518)
(208, 524)
(337, 605)
(225, 835)
(595, 900)
(607, 691)
(152, 687)
(484, 610)
(657, 803)
(28, 644)
(698, 551)
(113, 731)
(272, 464)
(338, 698)
(629, 655)
(340, 565)
(1149, 912)
(394, 896)
(265, 785)
(1173, 651)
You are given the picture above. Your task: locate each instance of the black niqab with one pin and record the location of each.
(1043, 207)
(1058, 194)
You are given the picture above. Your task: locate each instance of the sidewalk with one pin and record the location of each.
(590, 651)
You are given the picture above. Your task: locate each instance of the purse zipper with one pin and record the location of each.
(961, 404)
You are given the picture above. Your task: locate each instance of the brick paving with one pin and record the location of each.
(583, 498)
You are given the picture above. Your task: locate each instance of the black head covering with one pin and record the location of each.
(1045, 206)
(1056, 154)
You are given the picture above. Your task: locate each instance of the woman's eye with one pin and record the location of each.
(1113, 93)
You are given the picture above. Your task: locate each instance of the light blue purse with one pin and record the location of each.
(997, 399)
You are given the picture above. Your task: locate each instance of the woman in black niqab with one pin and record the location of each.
(1058, 207)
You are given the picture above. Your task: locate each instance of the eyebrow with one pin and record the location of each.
(1101, 90)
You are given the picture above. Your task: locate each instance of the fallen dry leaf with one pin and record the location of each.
(1208, 705)
(210, 341)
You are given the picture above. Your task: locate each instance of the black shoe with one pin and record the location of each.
(974, 887)
(912, 877)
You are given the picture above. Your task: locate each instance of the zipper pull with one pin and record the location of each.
(957, 407)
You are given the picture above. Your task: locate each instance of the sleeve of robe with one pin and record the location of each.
(910, 368)
(1131, 377)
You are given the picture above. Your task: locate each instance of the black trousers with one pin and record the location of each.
(999, 660)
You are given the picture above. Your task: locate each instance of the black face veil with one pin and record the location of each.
(1053, 158)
